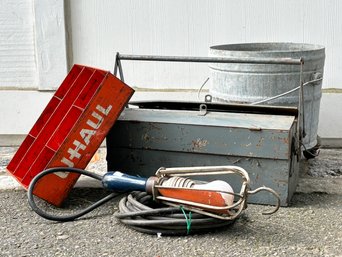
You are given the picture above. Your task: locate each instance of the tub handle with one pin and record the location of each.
(317, 77)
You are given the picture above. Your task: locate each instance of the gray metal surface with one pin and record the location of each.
(260, 60)
(237, 134)
(261, 144)
(249, 83)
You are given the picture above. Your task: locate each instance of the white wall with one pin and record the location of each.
(32, 44)
(96, 30)
(32, 60)
(17, 50)
(99, 29)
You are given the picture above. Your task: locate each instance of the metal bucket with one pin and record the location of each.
(255, 83)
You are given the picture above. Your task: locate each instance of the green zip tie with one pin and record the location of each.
(187, 219)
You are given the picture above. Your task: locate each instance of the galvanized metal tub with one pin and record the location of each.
(253, 83)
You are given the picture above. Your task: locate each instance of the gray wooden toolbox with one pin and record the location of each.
(262, 140)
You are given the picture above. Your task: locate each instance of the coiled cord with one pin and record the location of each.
(139, 211)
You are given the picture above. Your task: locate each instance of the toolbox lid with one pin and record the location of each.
(228, 119)
(219, 133)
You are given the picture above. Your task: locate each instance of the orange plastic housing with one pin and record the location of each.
(70, 130)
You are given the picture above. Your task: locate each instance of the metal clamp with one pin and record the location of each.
(203, 109)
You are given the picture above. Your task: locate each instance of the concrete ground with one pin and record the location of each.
(312, 226)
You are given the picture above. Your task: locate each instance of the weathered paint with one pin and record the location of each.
(214, 133)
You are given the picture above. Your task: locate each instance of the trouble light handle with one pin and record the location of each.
(120, 182)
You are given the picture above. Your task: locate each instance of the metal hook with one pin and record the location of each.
(270, 190)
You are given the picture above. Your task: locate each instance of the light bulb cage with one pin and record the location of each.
(228, 212)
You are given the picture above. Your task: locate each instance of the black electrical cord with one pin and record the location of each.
(137, 210)
(70, 217)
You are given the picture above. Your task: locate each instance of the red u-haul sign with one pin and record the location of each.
(70, 130)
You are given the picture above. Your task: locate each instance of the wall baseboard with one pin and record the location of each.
(331, 142)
